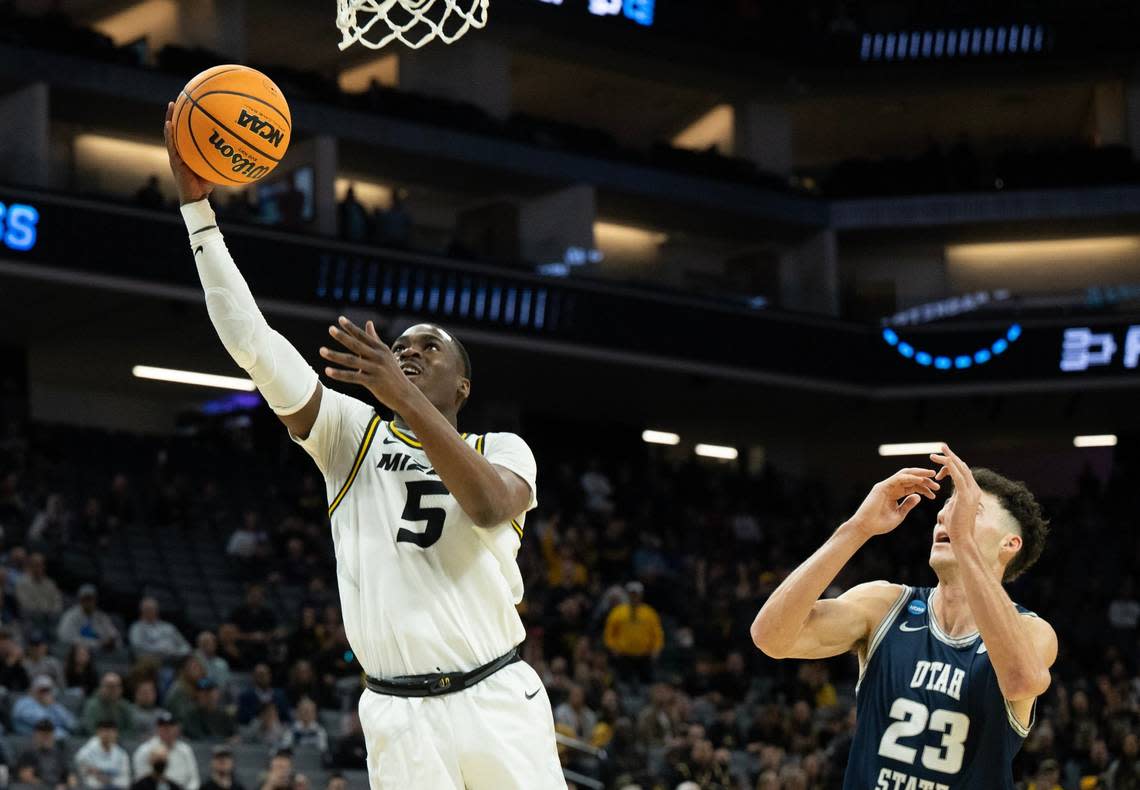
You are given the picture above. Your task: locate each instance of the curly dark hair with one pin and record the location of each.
(1020, 503)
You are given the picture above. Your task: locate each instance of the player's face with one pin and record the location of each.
(995, 532)
(430, 360)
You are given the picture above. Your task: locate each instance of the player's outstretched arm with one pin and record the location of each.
(796, 623)
(1021, 648)
(288, 384)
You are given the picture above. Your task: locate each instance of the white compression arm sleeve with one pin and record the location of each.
(285, 380)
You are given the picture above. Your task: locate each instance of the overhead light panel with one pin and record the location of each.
(717, 451)
(660, 437)
(193, 377)
(909, 448)
(1095, 440)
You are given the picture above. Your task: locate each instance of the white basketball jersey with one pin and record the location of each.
(422, 588)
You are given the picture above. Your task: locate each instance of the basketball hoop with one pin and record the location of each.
(414, 22)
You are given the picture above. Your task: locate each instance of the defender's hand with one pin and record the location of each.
(370, 363)
(892, 499)
(191, 187)
(962, 510)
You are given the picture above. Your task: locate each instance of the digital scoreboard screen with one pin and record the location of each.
(640, 11)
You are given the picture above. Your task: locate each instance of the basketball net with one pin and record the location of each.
(375, 23)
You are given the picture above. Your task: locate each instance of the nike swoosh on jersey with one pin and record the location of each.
(904, 627)
(981, 648)
(197, 250)
(533, 694)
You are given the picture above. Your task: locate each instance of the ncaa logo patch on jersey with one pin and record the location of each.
(917, 607)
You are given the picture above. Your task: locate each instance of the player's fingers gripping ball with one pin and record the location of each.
(231, 125)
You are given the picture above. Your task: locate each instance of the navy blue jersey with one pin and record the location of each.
(930, 714)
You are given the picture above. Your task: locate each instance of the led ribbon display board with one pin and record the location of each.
(93, 239)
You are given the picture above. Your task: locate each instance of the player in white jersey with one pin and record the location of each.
(426, 525)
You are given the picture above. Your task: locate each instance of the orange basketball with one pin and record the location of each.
(231, 125)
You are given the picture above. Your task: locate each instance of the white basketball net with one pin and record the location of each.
(375, 23)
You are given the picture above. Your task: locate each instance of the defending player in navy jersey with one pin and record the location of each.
(949, 676)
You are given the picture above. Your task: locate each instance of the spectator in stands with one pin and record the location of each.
(217, 668)
(120, 504)
(183, 691)
(229, 647)
(46, 758)
(9, 611)
(150, 195)
(280, 773)
(310, 637)
(266, 729)
(15, 567)
(306, 732)
(150, 636)
(1048, 776)
(707, 767)
(597, 488)
(107, 704)
(157, 771)
(41, 662)
(251, 700)
(39, 704)
(246, 540)
(352, 219)
(576, 715)
(50, 525)
(336, 782)
(1124, 773)
(303, 682)
(13, 674)
(256, 624)
(101, 762)
(350, 750)
(180, 765)
(207, 718)
(655, 723)
(85, 622)
(92, 523)
(633, 635)
(337, 661)
(79, 669)
(39, 597)
(145, 710)
(222, 770)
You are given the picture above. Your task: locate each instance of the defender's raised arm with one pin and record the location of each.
(796, 623)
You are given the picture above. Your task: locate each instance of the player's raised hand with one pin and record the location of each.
(191, 187)
(962, 509)
(369, 362)
(892, 499)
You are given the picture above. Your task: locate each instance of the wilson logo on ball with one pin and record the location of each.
(261, 127)
(241, 164)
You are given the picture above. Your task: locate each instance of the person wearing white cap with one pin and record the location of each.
(85, 622)
(40, 704)
(181, 765)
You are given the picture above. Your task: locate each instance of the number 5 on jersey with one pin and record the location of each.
(414, 512)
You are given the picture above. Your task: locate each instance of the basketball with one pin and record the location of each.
(231, 125)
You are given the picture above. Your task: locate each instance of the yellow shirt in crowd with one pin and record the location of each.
(634, 632)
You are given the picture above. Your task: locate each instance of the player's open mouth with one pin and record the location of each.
(410, 370)
(942, 538)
